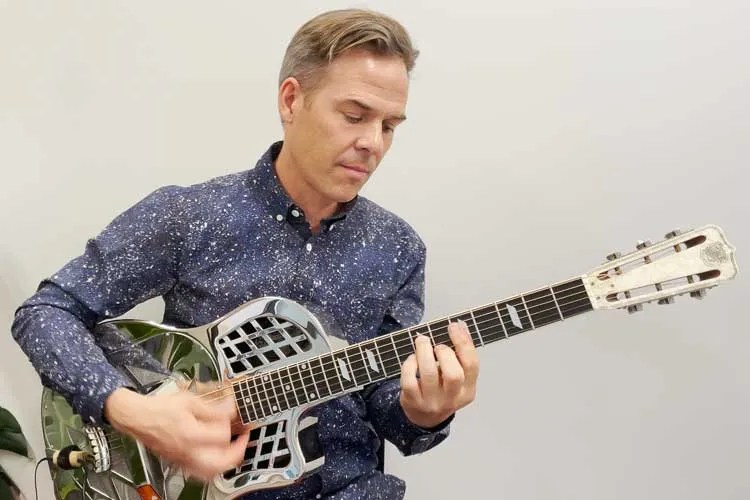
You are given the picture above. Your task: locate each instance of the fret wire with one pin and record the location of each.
(284, 389)
(528, 314)
(290, 384)
(345, 382)
(255, 385)
(552, 292)
(273, 390)
(245, 391)
(502, 323)
(350, 366)
(241, 404)
(319, 388)
(332, 362)
(377, 350)
(302, 381)
(395, 349)
(479, 334)
(365, 363)
(575, 306)
(268, 395)
(325, 377)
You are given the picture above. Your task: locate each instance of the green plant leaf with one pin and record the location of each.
(11, 437)
(14, 442)
(7, 486)
(8, 421)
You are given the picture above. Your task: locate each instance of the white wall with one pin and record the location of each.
(542, 135)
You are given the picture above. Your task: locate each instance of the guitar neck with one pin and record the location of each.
(338, 372)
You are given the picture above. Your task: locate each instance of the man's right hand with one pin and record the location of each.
(183, 428)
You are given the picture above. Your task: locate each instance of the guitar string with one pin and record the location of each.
(478, 320)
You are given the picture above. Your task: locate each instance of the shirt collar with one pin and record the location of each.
(264, 180)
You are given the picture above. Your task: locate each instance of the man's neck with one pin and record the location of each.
(315, 207)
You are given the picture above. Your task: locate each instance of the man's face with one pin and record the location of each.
(337, 134)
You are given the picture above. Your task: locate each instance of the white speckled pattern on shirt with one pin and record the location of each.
(211, 247)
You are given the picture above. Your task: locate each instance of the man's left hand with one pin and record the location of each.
(447, 379)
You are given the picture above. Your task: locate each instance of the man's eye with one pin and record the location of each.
(353, 118)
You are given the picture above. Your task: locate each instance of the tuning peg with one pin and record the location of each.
(641, 244)
(666, 300)
(614, 255)
(673, 233)
(635, 308)
(698, 294)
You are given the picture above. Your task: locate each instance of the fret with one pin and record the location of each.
(344, 370)
(552, 292)
(487, 320)
(298, 386)
(389, 359)
(329, 367)
(422, 330)
(542, 308)
(471, 324)
(265, 377)
(439, 330)
(403, 344)
(500, 316)
(305, 390)
(373, 362)
(320, 381)
(289, 388)
(276, 376)
(249, 398)
(241, 402)
(260, 395)
(358, 364)
(514, 317)
(531, 320)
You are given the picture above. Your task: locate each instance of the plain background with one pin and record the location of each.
(542, 135)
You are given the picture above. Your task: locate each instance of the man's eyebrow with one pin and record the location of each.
(365, 107)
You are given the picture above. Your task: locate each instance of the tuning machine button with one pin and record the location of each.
(614, 255)
(673, 233)
(666, 301)
(635, 308)
(641, 244)
(698, 294)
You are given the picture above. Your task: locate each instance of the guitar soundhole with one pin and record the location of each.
(261, 341)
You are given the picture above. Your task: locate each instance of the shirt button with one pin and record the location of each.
(318, 496)
(309, 247)
(279, 217)
(295, 213)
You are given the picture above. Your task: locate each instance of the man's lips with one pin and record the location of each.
(355, 167)
(357, 171)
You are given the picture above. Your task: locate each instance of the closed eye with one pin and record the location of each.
(352, 118)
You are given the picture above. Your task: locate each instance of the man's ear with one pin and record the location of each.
(290, 99)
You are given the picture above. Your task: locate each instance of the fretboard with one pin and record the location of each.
(338, 372)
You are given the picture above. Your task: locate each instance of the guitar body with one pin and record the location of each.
(273, 357)
(257, 336)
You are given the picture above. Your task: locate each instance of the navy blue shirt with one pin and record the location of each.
(207, 249)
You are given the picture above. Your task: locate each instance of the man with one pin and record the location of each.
(293, 226)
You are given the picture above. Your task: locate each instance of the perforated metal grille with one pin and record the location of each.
(262, 341)
(266, 450)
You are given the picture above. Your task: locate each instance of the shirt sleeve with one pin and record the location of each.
(383, 399)
(133, 259)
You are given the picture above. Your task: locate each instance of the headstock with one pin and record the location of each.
(689, 262)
